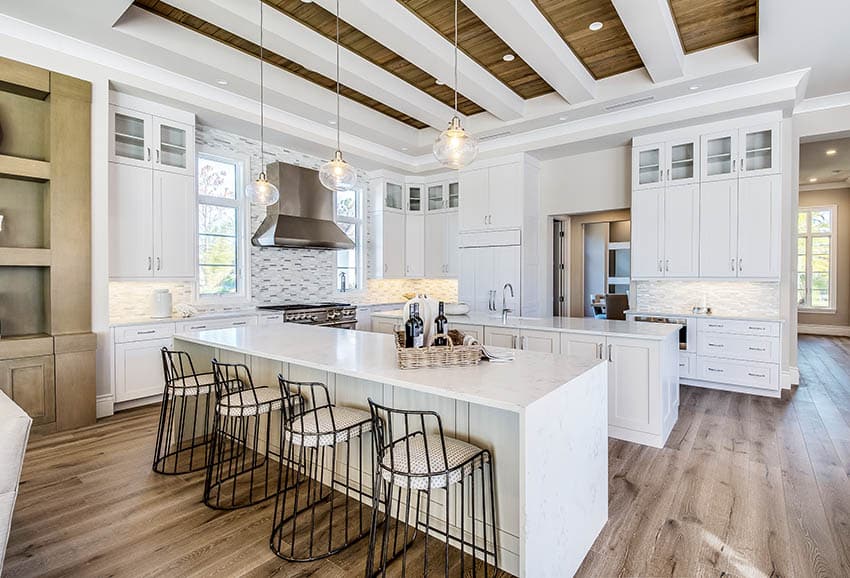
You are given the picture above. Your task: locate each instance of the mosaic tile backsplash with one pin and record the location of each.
(759, 299)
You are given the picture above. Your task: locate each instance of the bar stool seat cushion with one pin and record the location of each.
(457, 452)
(188, 386)
(348, 421)
(244, 404)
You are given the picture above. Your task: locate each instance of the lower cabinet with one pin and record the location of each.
(582, 345)
(384, 325)
(138, 369)
(501, 337)
(29, 382)
(476, 331)
(542, 341)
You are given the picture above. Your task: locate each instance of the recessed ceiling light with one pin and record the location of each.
(562, 118)
(831, 152)
(331, 122)
(595, 26)
(508, 57)
(222, 82)
(693, 87)
(404, 148)
(813, 180)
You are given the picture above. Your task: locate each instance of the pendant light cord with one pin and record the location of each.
(337, 77)
(455, 57)
(262, 103)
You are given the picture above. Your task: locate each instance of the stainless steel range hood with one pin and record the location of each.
(304, 215)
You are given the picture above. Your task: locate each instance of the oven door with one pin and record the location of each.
(340, 324)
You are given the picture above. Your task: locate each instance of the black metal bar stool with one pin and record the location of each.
(416, 460)
(310, 520)
(182, 437)
(238, 469)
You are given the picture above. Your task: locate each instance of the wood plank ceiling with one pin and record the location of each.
(706, 23)
(604, 53)
(481, 44)
(212, 31)
(324, 22)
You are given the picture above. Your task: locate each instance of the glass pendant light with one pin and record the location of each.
(455, 148)
(260, 190)
(337, 175)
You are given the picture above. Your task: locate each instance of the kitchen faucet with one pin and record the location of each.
(505, 309)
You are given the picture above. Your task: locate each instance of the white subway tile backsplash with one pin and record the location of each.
(758, 299)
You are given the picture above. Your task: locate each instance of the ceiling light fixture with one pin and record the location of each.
(594, 26)
(508, 57)
(221, 82)
(813, 180)
(337, 175)
(455, 148)
(261, 191)
(562, 118)
(831, 152)
(693, 87)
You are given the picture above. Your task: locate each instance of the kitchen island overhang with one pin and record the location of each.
(543, 417)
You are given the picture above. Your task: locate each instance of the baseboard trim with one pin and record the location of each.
(151, 400)
(830, 330)
(794, 372)
(105, 405)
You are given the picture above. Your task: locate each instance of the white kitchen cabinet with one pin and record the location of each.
(273, 318)
(501, 337)
(174, 149)
(492, 198)
(582, 345)
(542, 341)
(208, 324)
(151, 224)
(648, 166)
(647, 248)
(451, 247)
(475, 203)
(483, 274)
(476, 331)
(759, 150)
(415, 202)
(441, 245)
(718, 247)
(393, 197)
(384, 325)
(682, 161)
(140, 138)
(719, 155)
(389, 248)
(364, 319)
(681, 231)
(631, 368)
(414, 246)
(138, 369)
(759, 226)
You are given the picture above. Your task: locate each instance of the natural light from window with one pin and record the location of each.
(815, 257)
(218, 227)
(348, 219)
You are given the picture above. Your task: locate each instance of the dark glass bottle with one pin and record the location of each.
(419, 340)
(413, 328)
(441, 325)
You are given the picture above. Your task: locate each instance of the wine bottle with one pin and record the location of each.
(419, 335)
(441, 325)
(410, 328)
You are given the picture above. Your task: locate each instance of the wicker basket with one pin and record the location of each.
(436, 355)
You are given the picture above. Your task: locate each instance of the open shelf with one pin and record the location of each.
(24, 257)
(21, 168)
(30, 345)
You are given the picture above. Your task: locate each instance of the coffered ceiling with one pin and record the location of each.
(706, 23)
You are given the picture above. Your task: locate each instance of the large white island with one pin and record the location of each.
(543, 417)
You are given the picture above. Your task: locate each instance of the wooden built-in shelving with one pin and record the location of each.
(24, 257)
(25, 346)
(21, 168)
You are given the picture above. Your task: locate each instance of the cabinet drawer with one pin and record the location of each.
(270, 319)
(738, 326)
(201, 324)
(743, 347)
(746, 373)
(143, 332)
(687, 365)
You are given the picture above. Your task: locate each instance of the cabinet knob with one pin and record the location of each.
(150, 264)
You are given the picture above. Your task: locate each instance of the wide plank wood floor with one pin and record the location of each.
(746, 486)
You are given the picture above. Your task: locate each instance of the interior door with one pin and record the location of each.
(647, 233)
(130, 221)
(475, 200)
(174, 242)
(681, 231)
(174, 146)
(435, 245)
(130, 132)
(759, 242)
(718, 247)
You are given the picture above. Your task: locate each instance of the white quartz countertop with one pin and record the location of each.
(372, 356)
(690, 314)
(613, 328)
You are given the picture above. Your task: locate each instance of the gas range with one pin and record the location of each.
(340, 315)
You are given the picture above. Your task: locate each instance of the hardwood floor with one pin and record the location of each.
(746, 486)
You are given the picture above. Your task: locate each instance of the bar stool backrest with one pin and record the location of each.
(302, 402)
(396, 430)
(233, 379)
(177, 366)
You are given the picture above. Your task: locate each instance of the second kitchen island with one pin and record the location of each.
(543, 417)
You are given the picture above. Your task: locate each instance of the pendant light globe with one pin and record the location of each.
(338, 175)
(261, 191)
(455, 148)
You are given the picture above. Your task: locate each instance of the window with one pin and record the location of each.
(348, 216)
(221, 212)
(816, 257)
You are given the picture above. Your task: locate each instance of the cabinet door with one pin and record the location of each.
(435, 245)
(485, 283)
(718, 219)
(138, 369)
(719, 152)
(759, 243)
(130, 137)
(393, 248)
(507, 268)
(506, 194)
(436, 197)
(174, 148)
(681, 231)
(414, 246)
(582, 345)
(647, 166)
(453, 195)
(393, 196)
(501, 337)
(452, 241)
(633, 394)
(383, 325)
(682, 162)
(759, 150)
(29, 382)
(477, 331)
(474, 205)
(130, 221)
(542, 341)
(647, 233)
(414, 199)
(466, 292)
(174, 236)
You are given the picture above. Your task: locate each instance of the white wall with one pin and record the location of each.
(588, 182)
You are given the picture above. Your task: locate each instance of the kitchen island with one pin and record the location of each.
(543, 417)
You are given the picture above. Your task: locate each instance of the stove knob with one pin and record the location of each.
(314, 318)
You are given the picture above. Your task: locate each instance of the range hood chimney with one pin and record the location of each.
(304, 216)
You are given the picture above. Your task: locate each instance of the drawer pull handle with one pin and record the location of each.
(757, 349)
(751, 374)
(715, 325)
(197, 327)
(756, 328)
(148, 332)
(715, 370)
(715, 344)
(239, 323)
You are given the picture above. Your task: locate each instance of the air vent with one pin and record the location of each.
(629, 103)
(493, 136)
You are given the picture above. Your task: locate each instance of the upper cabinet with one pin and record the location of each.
(393, 196)
(675, 162)
(414, 199)
(492, 198)
(741, 152)
(144, 139)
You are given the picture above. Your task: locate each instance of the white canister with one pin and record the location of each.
(161, 304)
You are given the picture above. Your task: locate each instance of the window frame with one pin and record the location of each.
(359, 221)
(243, 229)
(807, 307)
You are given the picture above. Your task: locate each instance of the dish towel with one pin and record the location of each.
(496, 356)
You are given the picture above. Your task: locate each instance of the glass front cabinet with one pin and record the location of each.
(746, 152)
(414, 199)
(149, 141)
(648, 164)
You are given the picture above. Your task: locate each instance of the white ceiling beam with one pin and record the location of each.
(397, 28)
(289, 38)
(521, 25)
(653, 31)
